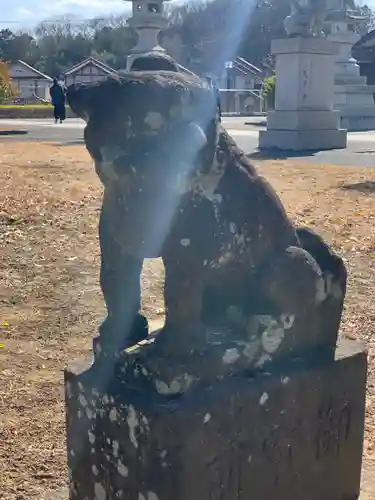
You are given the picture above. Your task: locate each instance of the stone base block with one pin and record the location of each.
(303, 45)
(303, 120)
(294, 433)
(358, 123)
(303, 140)
(345, 79)
(354, 99)
(358, 119)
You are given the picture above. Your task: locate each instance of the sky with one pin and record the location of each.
(17, 14)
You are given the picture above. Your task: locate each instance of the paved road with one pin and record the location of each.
(360, 150)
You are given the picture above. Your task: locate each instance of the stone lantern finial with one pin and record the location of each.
(148, 20)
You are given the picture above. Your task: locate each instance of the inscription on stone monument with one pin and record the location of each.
(333, 429)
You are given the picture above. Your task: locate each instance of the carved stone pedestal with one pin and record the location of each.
(292, 433)
(304, 116)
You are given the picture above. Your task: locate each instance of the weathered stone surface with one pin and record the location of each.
(177, 186)
(292, 433)
(238, 395)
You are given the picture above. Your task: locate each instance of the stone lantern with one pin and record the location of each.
(148, 20)
(352, 96)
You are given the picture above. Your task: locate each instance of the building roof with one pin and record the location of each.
(243, 67)
(31, 68)
(185, 70)
(248, 67)
(90, 60)
(239, 68)
(345, 16)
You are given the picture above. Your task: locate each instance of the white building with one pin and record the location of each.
(88, 70)
(30, 82)
(241, 87)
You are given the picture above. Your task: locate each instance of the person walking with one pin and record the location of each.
(57, 93)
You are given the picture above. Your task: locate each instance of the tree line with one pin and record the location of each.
(201, 36)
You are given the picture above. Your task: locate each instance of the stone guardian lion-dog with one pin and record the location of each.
(238, 273)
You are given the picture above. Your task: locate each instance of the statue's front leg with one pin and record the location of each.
(183, 293)
(120, 284)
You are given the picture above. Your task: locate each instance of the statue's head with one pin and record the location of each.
(149, 133)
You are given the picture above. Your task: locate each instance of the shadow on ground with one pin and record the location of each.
(279, 154)
(274, 154)
(257, 124)
(70, 143)
(363, 187)
(39, 166)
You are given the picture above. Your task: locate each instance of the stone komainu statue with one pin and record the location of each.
(176, 186)
(306, 18)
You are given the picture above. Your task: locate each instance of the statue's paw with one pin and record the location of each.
(139, 331)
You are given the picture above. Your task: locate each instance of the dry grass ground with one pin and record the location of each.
(50, 302)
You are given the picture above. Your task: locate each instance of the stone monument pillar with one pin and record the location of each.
(148, 21)
(352, 96)
(304, 117)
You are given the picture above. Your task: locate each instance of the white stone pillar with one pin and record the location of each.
(304, 118)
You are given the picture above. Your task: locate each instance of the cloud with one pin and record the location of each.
(18, 14)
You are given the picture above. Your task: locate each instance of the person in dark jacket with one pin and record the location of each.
(57, 93)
